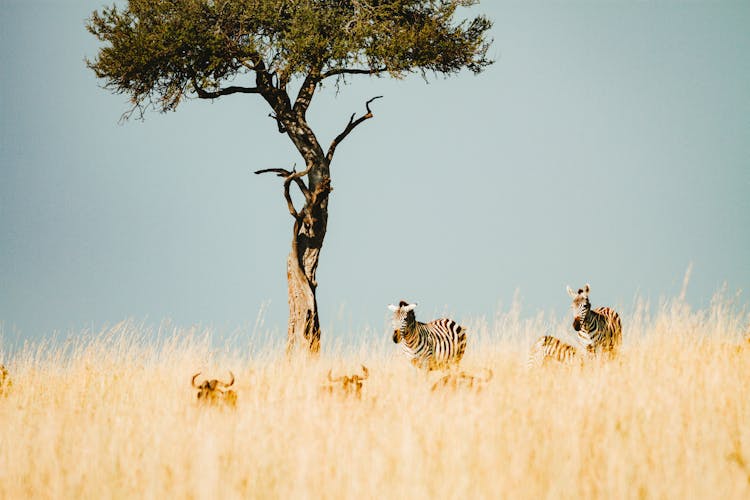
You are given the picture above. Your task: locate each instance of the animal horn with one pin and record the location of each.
(231, 382)
(331, 379)
(192, 382)
(365, 372)
(489, 374)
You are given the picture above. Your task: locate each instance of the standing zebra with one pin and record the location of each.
(549, 348)
(599, 329)
(434, 345)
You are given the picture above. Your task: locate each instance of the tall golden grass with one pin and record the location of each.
(114, 416)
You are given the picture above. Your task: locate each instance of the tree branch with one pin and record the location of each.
(353, 71)
(306, 91)
(280, 172)
(288, 178)
(349, 127)
(297, 178)
(282, 128)
(205, 94)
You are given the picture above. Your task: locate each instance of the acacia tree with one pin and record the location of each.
(159, 52)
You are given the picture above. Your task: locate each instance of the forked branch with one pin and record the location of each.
(282, 128)
(289, 177)
(306, 92)
(349, 127)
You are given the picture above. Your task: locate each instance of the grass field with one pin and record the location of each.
(114, 416)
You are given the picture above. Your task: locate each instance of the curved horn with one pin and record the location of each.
(231, 381)
(365, 372)
(192, 382)
(331, 379)
(489, 374)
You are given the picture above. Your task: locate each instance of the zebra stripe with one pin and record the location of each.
(600, 329)
(434, 345)
(549, 348)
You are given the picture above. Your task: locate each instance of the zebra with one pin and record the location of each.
(548, 348)
(599, 330)
(434, 345)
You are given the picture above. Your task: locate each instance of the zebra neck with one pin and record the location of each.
(588, 323)
(410, 334)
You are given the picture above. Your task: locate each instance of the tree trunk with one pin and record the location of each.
(311, 222)
(302, 264)
(304, 323)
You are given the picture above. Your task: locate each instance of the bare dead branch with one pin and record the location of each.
(292, 175)
(298, 175)
(351, 71)
(282, 128)
(297, 178)
(289, 177)
(280, 172)
(206, 94)
(289, 202)
(349, 127)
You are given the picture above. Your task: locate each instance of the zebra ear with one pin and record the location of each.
(571, 292)
(586, 288)
(393, 308)
(410, 307)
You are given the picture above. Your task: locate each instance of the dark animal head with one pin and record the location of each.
(350, 384)
(213, 390)
(463, 380)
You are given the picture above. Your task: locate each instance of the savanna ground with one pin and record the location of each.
(114, 416)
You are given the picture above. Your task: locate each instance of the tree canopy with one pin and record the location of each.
(160, 51)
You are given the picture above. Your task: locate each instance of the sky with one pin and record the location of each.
(609, 144)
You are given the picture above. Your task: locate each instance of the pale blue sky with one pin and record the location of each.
(610, 143)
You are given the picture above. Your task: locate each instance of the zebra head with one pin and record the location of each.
(403, 315)
(581, 305)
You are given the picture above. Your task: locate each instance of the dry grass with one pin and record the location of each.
(115, 417)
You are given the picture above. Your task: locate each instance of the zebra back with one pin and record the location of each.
(604, 331)
(548, 348)
(435, 345)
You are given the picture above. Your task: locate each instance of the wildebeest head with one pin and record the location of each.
(463, 380)
(350, 384)
(213, 390)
